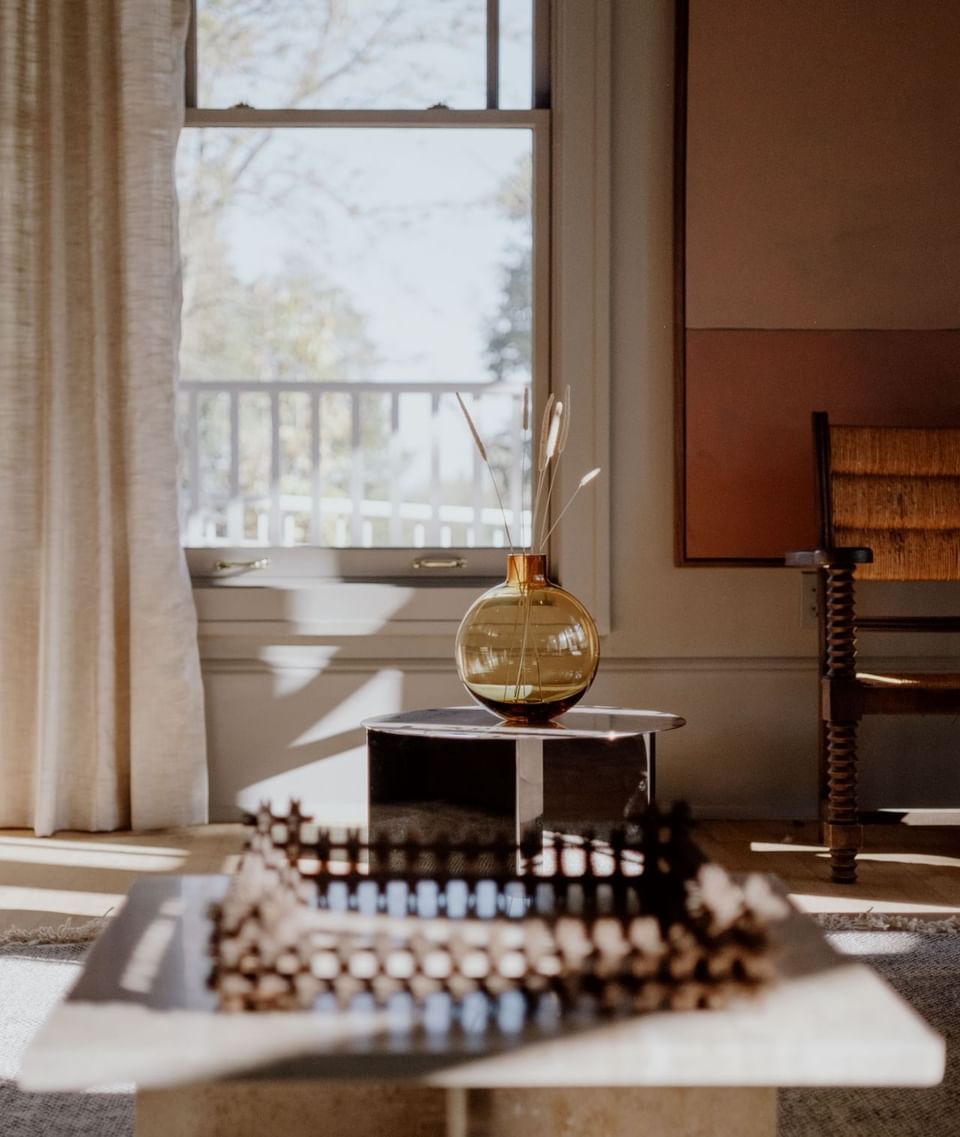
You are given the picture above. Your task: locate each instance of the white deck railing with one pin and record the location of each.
(215, 508)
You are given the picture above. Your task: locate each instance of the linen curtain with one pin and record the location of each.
(101, 703)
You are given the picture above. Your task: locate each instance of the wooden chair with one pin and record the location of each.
(889, 509)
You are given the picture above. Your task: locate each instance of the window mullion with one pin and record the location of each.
(493, 54)
(542, 375)
(541, 54)
(190, 68)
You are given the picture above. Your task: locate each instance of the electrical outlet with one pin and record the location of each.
(809, 600)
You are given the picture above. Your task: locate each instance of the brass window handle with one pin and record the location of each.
(440, 562)
(225, 566)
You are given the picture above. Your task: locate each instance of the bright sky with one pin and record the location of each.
(423, 256)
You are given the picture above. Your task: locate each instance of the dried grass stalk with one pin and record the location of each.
(473, 429)
(553, 434)
(584, 481)
(483, 454)
(565, 426)
(544, 432)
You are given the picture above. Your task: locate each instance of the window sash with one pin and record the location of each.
(579, 52)
(541, 56)
(290, 566)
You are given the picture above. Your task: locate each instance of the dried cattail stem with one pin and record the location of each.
(544, 433)
(473, 428)
(483, 454)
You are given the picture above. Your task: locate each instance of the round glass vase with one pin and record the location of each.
(527, 649)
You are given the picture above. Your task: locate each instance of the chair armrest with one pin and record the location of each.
(819, 558)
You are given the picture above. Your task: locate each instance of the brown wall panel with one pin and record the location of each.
(749, 396)
(823, 164)
(818, 248)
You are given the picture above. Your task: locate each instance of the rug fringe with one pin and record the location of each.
(887, 922)
(65, 933)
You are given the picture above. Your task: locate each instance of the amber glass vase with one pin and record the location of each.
(527, 649)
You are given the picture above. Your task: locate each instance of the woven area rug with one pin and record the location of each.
(924, 966)
(33, 977)
(922, 962)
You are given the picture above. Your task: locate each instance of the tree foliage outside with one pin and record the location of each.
(510, 333)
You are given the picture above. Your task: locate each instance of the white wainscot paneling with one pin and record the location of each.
(749, 749)
(749, 746)
(279, 731)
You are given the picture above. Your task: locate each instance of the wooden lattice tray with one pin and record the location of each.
(474, 932)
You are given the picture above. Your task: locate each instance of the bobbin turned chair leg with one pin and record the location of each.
(843, 834)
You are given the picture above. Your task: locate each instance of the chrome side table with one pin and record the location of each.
(592, 766)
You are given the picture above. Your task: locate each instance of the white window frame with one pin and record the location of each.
(361, 591)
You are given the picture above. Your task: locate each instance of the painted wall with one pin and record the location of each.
(822, 247)
(722, 647)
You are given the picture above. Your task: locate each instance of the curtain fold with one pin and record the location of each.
(101, 701)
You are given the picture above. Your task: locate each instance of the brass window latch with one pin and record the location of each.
(227, 566)
(440, 563)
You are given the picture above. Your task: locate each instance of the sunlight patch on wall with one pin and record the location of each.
(326, 763)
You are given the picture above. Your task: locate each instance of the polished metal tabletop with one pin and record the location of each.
(477, 722)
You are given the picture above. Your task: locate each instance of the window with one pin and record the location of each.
(364, 190)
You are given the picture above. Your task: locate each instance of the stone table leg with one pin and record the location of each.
(622, 1112)
(378, 1109)
(292, 1109)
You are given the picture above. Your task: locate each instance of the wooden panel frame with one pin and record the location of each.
(887, 359)
(681, 557)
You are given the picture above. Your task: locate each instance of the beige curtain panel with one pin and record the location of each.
(101, 703)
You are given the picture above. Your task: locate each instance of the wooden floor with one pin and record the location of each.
(903, 868)
(45, 881)
(76, 876)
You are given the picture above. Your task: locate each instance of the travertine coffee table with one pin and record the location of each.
(141, 1013)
